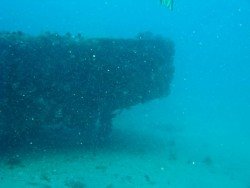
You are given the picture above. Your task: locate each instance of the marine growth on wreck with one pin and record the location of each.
(77, 82)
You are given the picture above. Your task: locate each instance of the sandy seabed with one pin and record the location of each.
(133, 158)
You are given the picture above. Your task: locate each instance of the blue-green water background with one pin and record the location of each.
(210, 94)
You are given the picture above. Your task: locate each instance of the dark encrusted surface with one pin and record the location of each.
(52, 79)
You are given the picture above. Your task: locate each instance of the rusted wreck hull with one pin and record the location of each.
(52, 79)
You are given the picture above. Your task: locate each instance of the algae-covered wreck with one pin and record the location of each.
(53, 79)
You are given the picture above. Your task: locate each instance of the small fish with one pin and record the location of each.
(168, 3)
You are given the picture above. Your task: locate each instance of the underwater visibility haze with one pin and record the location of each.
(123, 94)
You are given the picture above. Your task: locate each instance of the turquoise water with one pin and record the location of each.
(198, 136)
